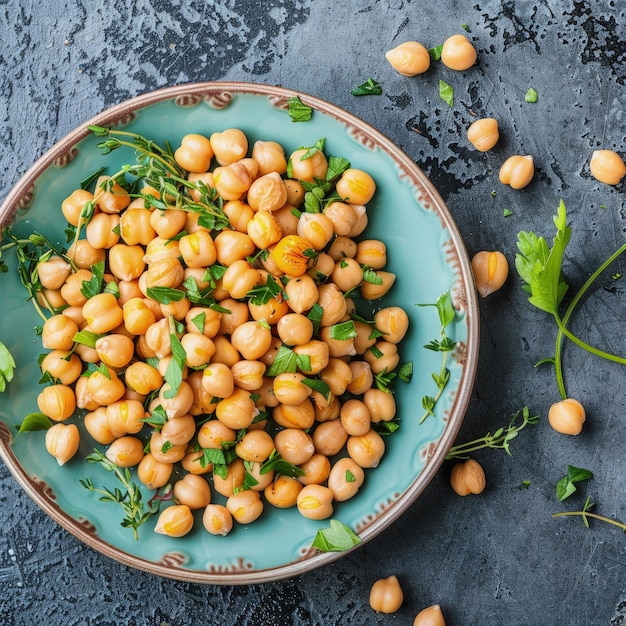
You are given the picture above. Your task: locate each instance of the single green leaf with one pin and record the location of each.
(34, 421)
(531, 96)
(406, 372)
(7, 367)
(165, 295)
(435, 52)
(343, 331)
(336, 538)
(285, 361)
(93, 286)
(86, 338)
(298, 111)
(368, 88)
(446, 93)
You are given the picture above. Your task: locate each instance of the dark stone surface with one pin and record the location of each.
(499, 558)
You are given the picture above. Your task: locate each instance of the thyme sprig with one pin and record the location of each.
(500, 439)
(130, 499)
(443, 344)
(585, 514)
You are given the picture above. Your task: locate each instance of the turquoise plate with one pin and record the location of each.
(425, 250)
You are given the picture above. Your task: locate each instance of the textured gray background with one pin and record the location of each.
(494, 559)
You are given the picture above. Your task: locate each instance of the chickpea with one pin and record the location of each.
(62, 365)
(343, 217)
(124, 416)
(73, 207)
(218, 380)
(84, 255)
(458, 53)
(517, 171)
(386, 595)
(179, 430)
(193, 491)
(316, 470)
(430, 616)
(347, 274)
(245, 506)
(232, 246)
(248, 375)
(270, 157)
(198, 349)
(607, 166)
(177, 309)
(305, 165)
(338, 375)
(362, 377)
(567, 416)
(356, 186)
(115, 350)
(267, 193)
(97, 425)
(128, 289)
(291, 254)
(337, 347)
(194, 153)
(198, 249)
(165, 273)
(367, 450)
(345, 479)
(58, 333)
(204, 320)
(294, 416)
(152, 473)
(342, 248)
(381, 405)
(285, 217)
(102, 231)
(164, 450)
(373, 291)
(294, 445)
(302, 293)
(103, 313)
(264, 229)
(322, 268)
(364, 339)
(393, 322)
(126, 451)
(355, 417)
(232, 181)
(315, 502)
(161, 248)
(83, 398)
(236, 316)
(271, 312)
(110, 196)
(283, 492)
(240, 278)
(255, 446)
(233, 481)
(213, 434)
(229, 145)
(326, 409)
(71, 289)
(167, 223)
(316, 228)
(126, 262)
(62, 441)
(251, 339)
(362, 220)
(180, 403)
(217, 519)
(295, 329)
(329, 437)
(491, 269)
(158, 338)
(174, 521)
(239, 214)
(409, 58)
(135, 227)
(58, 402)
(237, 410)
(54, 272)
(468, 477)
(333, 304)
(483, 134)
(224, 351)
(382, 356)
(142, 378)
(295, 192)
(371, 252)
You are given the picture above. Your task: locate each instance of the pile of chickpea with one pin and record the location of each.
(225, 399)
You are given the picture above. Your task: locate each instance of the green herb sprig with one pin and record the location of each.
(500, 439)
(443, 344)
(585, 514)
(540, 268)
(130, 499)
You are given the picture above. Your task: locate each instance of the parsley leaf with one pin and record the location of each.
(337, 538)
(298, 111)
(446, 93)
(368, 88)
(7, 366)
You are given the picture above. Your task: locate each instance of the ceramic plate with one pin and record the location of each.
(425, 251)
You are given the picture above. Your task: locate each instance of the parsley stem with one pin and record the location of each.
(562, 323)
(585, 514)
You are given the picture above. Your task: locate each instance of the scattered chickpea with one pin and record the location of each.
(386, 595)
(174, 521)
(567, 416)
(458, 53)
(468, 477)
(517, 171)
(430, 616)
(409, 58)
(607, 166)
(62, 441)
(483, 134)
(491, 269)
